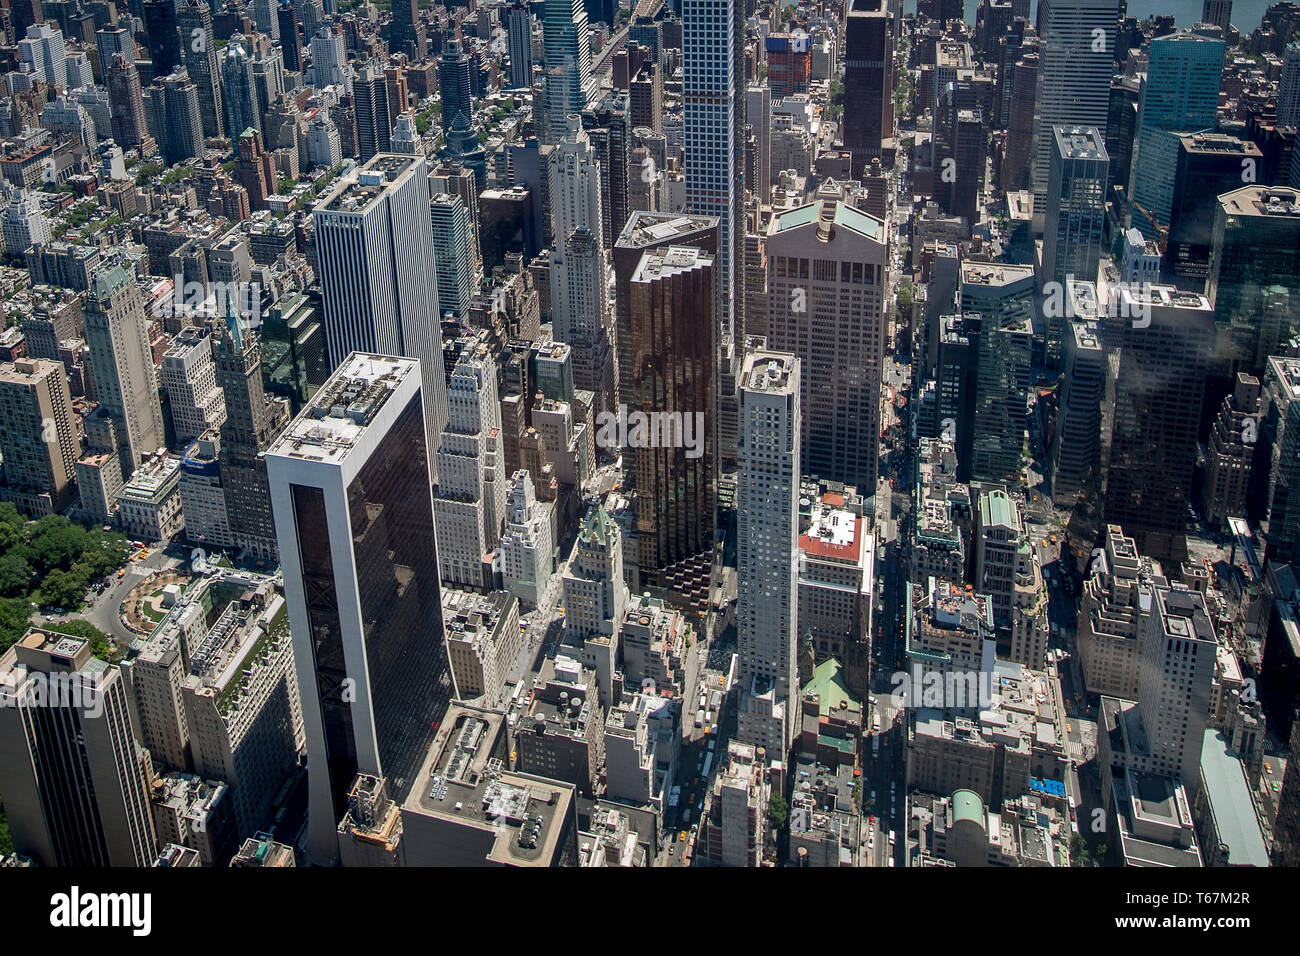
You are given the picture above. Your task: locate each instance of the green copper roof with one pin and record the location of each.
(967, 805)
(828, 684)
(996, 509)
(845, 215)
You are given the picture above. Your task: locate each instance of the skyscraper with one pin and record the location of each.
(1075, 219)
(252, 423)
(470, 504)
(290, 38)
(519, 27)
(827, 282)
(767, 556)
(375, 246)
(1165, 339)
(1288, 90)
(1076, 443)
(402, 34)
(176, 112)
(238, 95)
(73, 780)
(454, 83)
(569, 83)
(118, 335)
(1280, 436)
(712, 54)
(126, 106)
(199, 52)
(37, 438)
(1076, 60)
(580, 306)
(163, 29)
(370, 99)
(670, 378)
(1180, 94)
(354, 517)
(869, 84)
(452, 239)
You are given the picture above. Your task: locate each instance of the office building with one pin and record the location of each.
(73, 779)
(373, 234)
(175, 112)
(203, 499)
(519, 31)
(117, 331)
(767, 558)
(595, 593)
(1180, 94)
(471, 811)
(1076, 443)
(237, 93)
(1158, 383)
(568, 82)
(1074, 220)
(837, 554)
(669, 372)
(528, 544)
(1208, 165)
(454, 83)
(484, 641)
(735, 830)
(130, 127)
(1252, 277)
(1280, 437)
(1229, 452)
(470, 504)
(353, 511)
(827, 282)
(1076, 61)
(189, 376)
(38, 438)
(868, 84)
(200, 57)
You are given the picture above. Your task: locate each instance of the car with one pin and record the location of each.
(670, 850)
(1069, 728)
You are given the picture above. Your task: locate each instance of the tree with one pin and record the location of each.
(62, 589)
(15, 573)
(14, 614)
(778, 812)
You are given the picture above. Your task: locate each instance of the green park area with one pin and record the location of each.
(51, 562)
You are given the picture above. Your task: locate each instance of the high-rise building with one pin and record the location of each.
(608, 128)
(237, 94)
(38, 440)
(1075, 220)
(1217, 12)
(827, 283)
(127, 387)
(23, 222)
(290, 39)
(670, 380)
(1180, 94)
(1076, 60)
(869, 84)
(758, 111)
(190, 379)
(454, 83)
(1076, 443)
(1165, 338)
(453, 237)
(163, 30)
(569, 84)
(252, 422)
(176, 117)
(44, 53)
(126, 104)
(1288, 89)
(354, 517)
(519, 28)
(580, 306)
(767, 557)
(402, 36)
(1208, 165)
(199, 53)
(711, 52)
(374, 246)
(1229, 451)
(528, 544)
(370, 99)
(1253, 272)
(1280, 427)
(470, 504)
(595, 594)
(645, 99)
(74, 781)
(329, 59)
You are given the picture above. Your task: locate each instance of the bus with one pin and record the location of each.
(699, 718)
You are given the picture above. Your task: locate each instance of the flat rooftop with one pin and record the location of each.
(344, 407)
(359, 189)
(647, 229)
